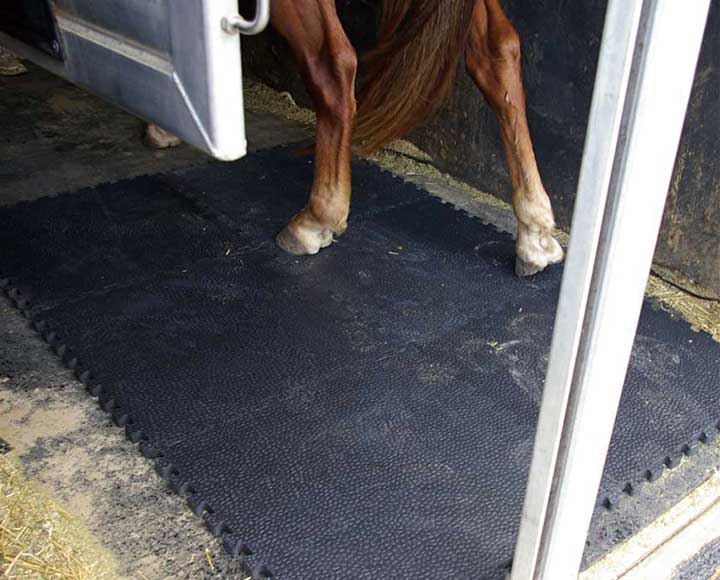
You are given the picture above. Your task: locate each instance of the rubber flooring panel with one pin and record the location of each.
(368, 412)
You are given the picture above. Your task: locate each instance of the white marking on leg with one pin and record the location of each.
(535, 246)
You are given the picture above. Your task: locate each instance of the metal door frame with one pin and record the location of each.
(632, 139)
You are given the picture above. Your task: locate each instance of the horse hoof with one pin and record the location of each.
(10, 66)
(550, 252)
(524, 269)
(158, 138)
(303, 242)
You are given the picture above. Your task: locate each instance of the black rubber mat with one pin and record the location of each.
(364, 413)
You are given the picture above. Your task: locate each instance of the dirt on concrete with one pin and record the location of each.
(39, 539)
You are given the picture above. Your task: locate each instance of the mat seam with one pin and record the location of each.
(23, 202)
(180, 171)
(158, 275)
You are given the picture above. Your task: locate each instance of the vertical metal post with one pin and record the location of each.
(645, 73)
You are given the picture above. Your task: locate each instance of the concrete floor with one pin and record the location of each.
(58, 138)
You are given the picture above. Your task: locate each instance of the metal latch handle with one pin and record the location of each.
(237, 23)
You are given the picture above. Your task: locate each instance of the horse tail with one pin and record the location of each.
(412, 69)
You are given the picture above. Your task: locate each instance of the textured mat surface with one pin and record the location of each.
(364, 413)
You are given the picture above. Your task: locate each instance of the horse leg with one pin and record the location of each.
(328, 63)
(492, 57)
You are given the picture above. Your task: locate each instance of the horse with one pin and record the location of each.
(409, 74)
